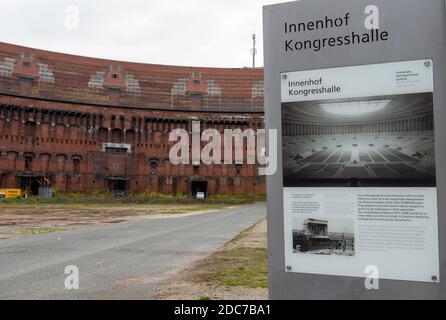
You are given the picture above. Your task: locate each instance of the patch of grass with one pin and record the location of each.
(260, 197)
(100, 198)
(203, 207)
(246, 267)
(205, 298)
(39, 230)
(236, 266)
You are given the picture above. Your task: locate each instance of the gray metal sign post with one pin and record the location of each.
(357, 91)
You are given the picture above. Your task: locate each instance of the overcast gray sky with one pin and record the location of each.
(193, 32)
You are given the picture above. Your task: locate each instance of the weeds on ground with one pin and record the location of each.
(235, 267)
(39, 230)
(106, 198)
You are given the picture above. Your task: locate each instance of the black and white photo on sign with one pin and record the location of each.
(323, 236)
(383, 141)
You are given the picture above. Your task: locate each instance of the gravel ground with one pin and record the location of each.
(41, 219)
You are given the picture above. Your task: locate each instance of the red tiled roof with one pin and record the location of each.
(88, 80)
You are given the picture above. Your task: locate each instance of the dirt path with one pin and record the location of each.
(238, 271)
(38, 219)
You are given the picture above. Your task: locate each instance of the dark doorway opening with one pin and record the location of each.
(119, 186)
(31, 185)
(199, 186)
(68, 183)
(175, 186)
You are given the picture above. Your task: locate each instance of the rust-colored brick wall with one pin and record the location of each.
(58, 114)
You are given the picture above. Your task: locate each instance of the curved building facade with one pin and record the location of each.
(81, 124)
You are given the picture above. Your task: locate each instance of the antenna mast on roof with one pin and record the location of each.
(253, 50)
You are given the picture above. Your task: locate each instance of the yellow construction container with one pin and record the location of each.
(10, 193)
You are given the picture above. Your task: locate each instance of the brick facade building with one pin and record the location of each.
(81, 124)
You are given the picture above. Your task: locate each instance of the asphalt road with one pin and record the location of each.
(121, 261)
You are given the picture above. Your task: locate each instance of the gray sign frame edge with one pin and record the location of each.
(429, 41)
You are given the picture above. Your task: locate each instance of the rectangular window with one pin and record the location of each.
(116, 150)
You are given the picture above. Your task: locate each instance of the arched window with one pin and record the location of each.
(30, 129)
(117, 136)
(28, 163)
(153, 168)
(76, 166)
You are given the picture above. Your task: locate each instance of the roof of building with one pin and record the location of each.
(360, 110)
(315, 221)
(70, 78)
